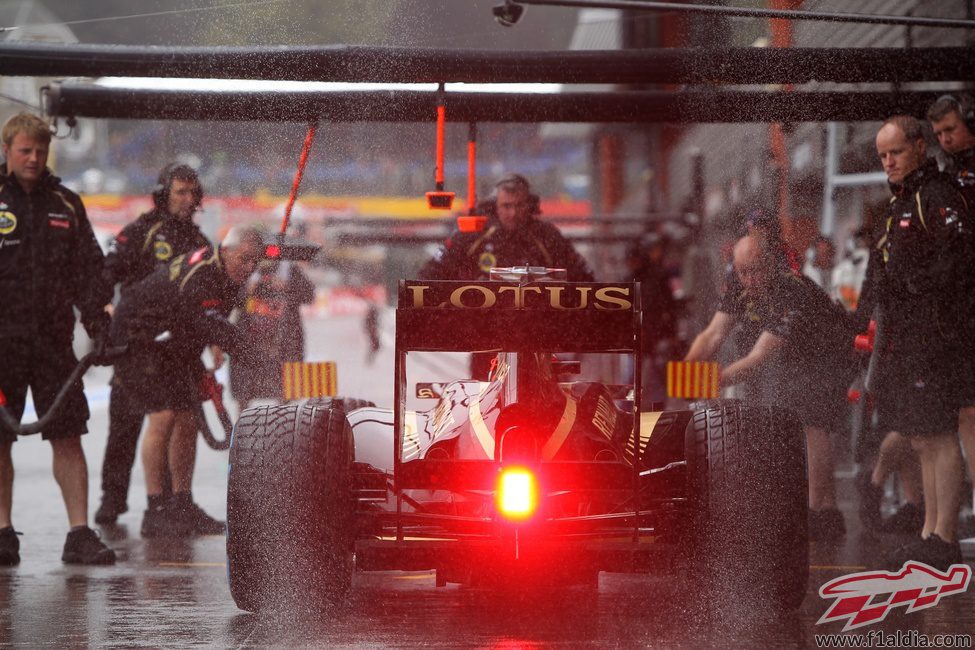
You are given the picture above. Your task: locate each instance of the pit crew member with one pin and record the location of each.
(166, 319)
(953, 121)
(50, 263)
(925, 252)
(153, 239)
(513, 236)
(270, 319)
(800, 357)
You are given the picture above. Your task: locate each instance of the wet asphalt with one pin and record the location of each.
(173, 593)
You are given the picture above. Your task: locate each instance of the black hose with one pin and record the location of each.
(11, 425)
(206, 432)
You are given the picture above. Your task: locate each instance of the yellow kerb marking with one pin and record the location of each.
(313, 379)
(692, 379)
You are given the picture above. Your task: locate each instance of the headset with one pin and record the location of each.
(160, 193)
(517, 183)
(963, 106)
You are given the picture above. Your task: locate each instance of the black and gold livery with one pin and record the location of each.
(922, 288)
(166, 319)
(472, 255)
(50, 264)
(149, 241)
(416, 487)
(50, 260)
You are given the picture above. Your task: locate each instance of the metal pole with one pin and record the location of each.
(833, 180)
(745, 12)
(828, 221)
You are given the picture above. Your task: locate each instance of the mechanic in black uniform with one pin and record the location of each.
(270, 319)
(166, 320)
(513, 236)
(800, 357)
(142, 246)
(926, 252)
(50, 262)
(881, 453)
(953, 121)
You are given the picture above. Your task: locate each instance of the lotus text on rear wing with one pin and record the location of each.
(501, 295)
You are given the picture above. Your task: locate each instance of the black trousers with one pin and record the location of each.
(125, 417)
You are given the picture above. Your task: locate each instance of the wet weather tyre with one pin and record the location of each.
(290, 506)
(747, 542)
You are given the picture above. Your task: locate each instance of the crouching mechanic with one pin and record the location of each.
(142, 246)
(50, 263)
(166, 320)
(800, 357)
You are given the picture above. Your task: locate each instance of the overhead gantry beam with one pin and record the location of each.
(84, 100)
(420, 65)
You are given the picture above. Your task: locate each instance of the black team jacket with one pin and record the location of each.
(50, 262)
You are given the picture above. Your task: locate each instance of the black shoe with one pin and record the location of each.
(826, 525)
(83, 547)
(9, 547)
(163, 522)
(870, 497)
(933, 551)
(199, 522)
(909, 518)
(109, 511)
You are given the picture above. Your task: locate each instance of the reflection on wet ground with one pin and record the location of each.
(174, 593)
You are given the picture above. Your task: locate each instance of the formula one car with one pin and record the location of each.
(518, 476)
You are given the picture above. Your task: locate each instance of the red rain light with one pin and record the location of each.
(471, 223)
(517, 495)
(272, 251)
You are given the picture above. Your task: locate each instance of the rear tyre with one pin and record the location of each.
(747, 541)
(290, 507)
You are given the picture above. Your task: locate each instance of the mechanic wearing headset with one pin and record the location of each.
(166, 319)
(513, 236)
(50, 263)
(926, 256)
(953, 121)
(800, 356)
(152, 240)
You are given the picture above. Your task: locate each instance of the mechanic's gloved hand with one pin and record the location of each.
(100, 350)
(97, 326)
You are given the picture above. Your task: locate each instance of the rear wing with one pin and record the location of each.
(549, 316)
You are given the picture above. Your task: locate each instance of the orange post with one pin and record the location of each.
(439, 199)
(441, 123)
(472, 168)
(302, 161)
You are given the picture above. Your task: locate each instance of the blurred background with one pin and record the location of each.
(676, 192)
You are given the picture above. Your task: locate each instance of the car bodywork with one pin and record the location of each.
(426, 479)
(321, 488)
